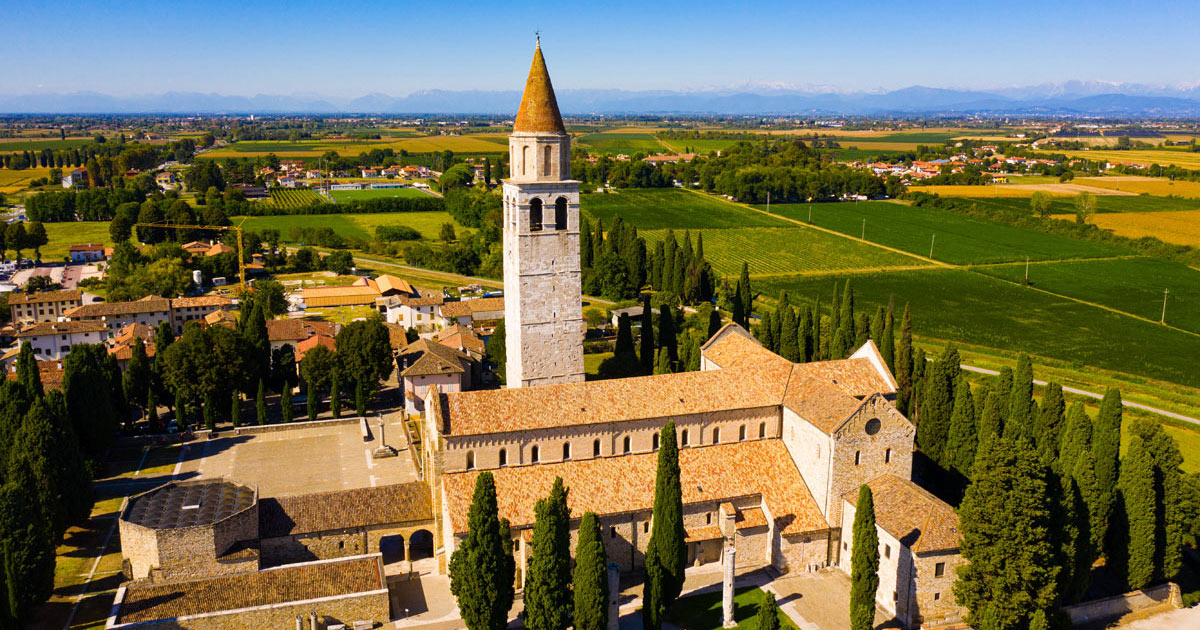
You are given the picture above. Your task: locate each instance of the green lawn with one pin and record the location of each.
(703, 146)
(378, 193)
(703, 612)
(1132, 285)
(1104, 203)
(63, 235)
(662, 208)
(788, 250)
(357, 225)
(964, 306)
(956, 238)
(9, 145)
(627, 143)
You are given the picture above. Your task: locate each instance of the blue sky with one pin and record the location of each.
(347, 49)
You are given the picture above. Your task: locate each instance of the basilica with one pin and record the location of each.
(772, 454)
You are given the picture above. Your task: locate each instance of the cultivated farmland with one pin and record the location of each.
(353, 225)
(789, 250)
(377, 193)
(1181, 228)
(627, 143)
(959, 239)
(294, 197)
(1146, 185)
(1178, 157)
(1066, 205)
(960, 305)
(1132, 285)
(662, 208)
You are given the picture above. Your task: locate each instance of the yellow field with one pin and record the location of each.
(851, 143)
(1181, 228)
(1014, 190)
(15, 181)
(1184, 159)
(1148, 185)
(428, 144)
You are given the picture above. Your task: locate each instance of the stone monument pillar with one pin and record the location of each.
(727, 587)
(614, 596)
(312, 620)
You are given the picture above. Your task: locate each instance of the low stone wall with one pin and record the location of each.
(373, 606)
(1118, 605)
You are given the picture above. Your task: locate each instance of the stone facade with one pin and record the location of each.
(341, 610)
(858, 455)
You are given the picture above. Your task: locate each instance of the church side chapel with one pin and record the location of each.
(772, 453)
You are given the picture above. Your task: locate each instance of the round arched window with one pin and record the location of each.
(873, 426)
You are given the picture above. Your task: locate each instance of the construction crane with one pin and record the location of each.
(236, 229)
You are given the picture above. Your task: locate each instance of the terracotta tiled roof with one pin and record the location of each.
(732, 346)
(136, 330)
(461, 337)
(61, 328)
(295, 330)
(750, 517)
(148, 304)
(86, 247)
(857, 377)
(388, 283)
(50, 371)
(303, 347)
(147, 602)
(124, 351)
(919, 520)
(624, 484)
(220, 317)
(343, 509)
(703, 532)
(539, 108)
(202, 300)
(45, 296)
(397, 336)
(470, 307)
(350, 290)
(822, 404)
(435, 359)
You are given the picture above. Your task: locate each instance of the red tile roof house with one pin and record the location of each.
(88, 252)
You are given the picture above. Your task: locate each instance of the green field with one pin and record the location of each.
(9, 145)
(627, 143)
(63, 235)
(703, 146)
(356, 225)
(789, 250)
(662, 208)
(294, 197)
(1132, 285)
(956, 238)
(961, 305)
(378, 193)
(1104, 203)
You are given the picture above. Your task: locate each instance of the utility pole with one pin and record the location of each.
(810, 213)
(768, 202)
(1163, 319)
(864, 230)
(931, 240)
(1026, 270)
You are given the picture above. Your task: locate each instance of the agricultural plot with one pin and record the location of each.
(1181, 228)
(1104, 205)
(789, 250)
(703, 146)
(1179, 157)
(315, 148)
(294, 197)
(967, 307)
(37, 144)
(627, 143)
(1132, 285)
(14, 181)
(1145, 185)
(379, 193)
(1024, 191)
(62, 235)
(955, 238)
(353, 225)
(662, 208)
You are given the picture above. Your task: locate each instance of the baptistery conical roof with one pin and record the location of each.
(539, 108)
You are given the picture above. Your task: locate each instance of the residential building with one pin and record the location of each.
(77, 178)
(150, 311)
(186, 309)
(87, 252)
(291, 332)
(42, 306)
(53, 340)
(426, 363)
(414, 310)
(478, 313)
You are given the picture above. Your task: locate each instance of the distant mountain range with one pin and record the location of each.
(1073, 98)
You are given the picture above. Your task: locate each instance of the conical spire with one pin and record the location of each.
(539, 109)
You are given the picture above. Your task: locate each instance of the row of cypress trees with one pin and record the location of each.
(617, 264)
(801, 333)
(661, 352)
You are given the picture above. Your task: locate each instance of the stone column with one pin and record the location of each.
(382, 438)
(727, 587)
(614, 596)
(299, 622)
(312, 620)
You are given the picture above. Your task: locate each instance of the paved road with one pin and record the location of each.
(1080, 392)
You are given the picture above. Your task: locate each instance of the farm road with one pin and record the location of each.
(1080, 392)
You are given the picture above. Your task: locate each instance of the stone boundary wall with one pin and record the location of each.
(344, 609)
(271, 428)
(1118, 605)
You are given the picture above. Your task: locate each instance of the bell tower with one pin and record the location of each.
(543, 304)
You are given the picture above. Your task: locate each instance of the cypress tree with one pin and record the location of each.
(789, 344)
(846, 320)
(210, 421)
(862, 331)
(991, 423)
(1084, 475)
(1106, 448)
(878, 322)
(1004, 387)
(285, 402)
(482, 569)
(835, 311)
(591, 577)
(585, 244)
(746, 296)
(663, 364)
(1006, 520)
(864, 563)
(804, 335)
(962, 440)
(335, 394)
(766, 332)
(1139, 508)
(1076, 438)
(817, 347)
(1051, 418)
(260, 403)
(360, 397)
(767, 617)
(937, 406)
(714, 324)
(666, 533)
(1020, 401)
(235, 410)
(30, 562)
(136, 380)
(47, 447)
(1075, 531)
(152, 410)
(666, 332)
(653, 606)
(1169, 529)
(548, 579)
(624, 361)
(181, 418)
(646, 356)
(887, 344)
(27, 372)
(904, 361)
(311, 396)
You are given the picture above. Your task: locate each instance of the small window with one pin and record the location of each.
(887, 551)
(708, 518)
(626, 443)
(547, 153)
(845, 546)
(857, 457)
(341, 544)
(887, 456)
(762, 429)
(895, 596)
(470, 460)
(872, 426)
(937, 596)
(716, 435)
(533, 454)
(655, 440)
(560, 213)
(566, 450)
(646, 527)
(503, 457)
(595, 448)
(939, 569)
(684, 438)
(535, 215)
(524, 158)
(612, 532)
